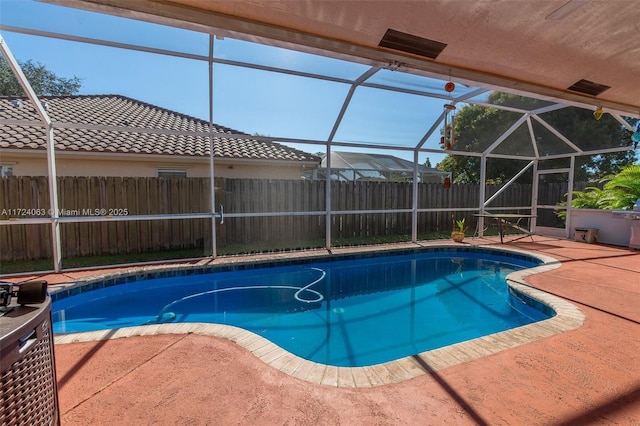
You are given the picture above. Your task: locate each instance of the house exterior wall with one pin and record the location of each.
(80, 164)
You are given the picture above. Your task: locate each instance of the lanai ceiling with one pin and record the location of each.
(542, 46)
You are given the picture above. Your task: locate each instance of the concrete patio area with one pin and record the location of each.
(590, 375)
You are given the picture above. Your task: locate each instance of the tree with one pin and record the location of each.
(43, 81)
(478, 127)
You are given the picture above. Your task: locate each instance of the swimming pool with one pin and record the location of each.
(355, 311)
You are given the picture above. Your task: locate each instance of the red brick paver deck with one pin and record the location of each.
(590, 375)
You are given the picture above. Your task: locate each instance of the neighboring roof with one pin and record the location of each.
(121, 111)
(352, 166)
(375, 162)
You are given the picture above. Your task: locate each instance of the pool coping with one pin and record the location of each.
(568, 317)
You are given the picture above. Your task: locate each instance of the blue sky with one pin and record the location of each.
(249, 100)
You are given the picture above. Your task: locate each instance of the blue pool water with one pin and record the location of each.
(344, 312)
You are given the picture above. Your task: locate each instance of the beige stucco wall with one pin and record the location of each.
(81, 164)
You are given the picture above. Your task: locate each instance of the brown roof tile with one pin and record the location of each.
(121, 111)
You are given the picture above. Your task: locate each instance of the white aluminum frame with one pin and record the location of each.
(432, 70)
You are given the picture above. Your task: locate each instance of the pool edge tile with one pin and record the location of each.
(360, 377)
(330, 376)
(345, 378)
(316, 373)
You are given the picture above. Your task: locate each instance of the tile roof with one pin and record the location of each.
(121, 111)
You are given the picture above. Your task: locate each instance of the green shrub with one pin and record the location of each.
(620, 192)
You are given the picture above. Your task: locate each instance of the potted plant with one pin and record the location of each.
(457, 234)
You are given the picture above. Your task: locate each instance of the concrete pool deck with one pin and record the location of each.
(588, 375)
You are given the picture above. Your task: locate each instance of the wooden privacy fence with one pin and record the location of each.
(27, 197)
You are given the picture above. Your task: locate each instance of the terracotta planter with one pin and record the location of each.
(457, 236)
